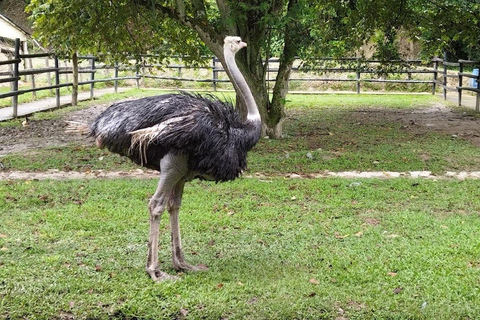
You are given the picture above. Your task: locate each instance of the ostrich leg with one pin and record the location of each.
(173, 169)
(177, 253)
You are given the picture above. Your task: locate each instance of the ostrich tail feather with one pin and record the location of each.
(77, 128)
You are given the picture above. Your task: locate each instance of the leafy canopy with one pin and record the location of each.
(117, 29)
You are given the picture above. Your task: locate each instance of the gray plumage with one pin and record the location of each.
(209, 132)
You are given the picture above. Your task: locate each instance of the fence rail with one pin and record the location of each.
(439, 75)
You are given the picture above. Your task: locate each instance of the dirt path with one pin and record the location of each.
(149, 174)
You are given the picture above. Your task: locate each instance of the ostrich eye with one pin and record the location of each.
(238, 41)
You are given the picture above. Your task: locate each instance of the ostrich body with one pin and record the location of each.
(184, 137)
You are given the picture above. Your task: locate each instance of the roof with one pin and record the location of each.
(11, 30)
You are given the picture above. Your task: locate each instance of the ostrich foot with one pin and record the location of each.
(159, 276)
(182, 265)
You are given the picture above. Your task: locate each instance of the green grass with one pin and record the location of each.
(87, 158)
(321, 133)
(324, 134)
(276, 249)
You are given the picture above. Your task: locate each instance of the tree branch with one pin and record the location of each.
(199, 9)
(200, 25)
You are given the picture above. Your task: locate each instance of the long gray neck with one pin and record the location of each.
(241, 85)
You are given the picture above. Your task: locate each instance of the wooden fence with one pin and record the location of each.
(353, 70)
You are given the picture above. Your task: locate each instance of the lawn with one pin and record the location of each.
(277, 248)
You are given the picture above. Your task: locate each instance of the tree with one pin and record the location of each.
(448, 26)
(282, 28)
(132, 27)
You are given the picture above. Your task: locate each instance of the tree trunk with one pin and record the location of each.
(75, 79)
(292, 36)
(272, 112)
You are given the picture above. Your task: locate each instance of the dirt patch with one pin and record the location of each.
(46, 133)
(438, 118)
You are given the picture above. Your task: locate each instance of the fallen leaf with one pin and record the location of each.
(3, 236)
(393, 235)
(359, 234)
(397, 290)
(183, 312)
(313, 294)
(261, 242)
(314, 281)
(220, 285)
(3, 249)
(253, 300)
(98, 268)
(339, 236)
(71, 304)
(392, 274)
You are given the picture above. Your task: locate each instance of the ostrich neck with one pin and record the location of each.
(241, 85)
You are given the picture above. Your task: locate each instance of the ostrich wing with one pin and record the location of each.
(209, 132)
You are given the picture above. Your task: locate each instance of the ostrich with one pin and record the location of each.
(184, 136)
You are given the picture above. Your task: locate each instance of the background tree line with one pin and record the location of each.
(280, 28)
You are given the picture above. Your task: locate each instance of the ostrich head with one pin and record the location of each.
(234, 44)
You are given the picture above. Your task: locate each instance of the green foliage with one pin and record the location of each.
(450, 26)
(115, 30)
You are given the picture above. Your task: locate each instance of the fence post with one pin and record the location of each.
(460, 80)
(115, 82)
(29, 64)
(137, 74)
(358, 76)
(92, 77)
(16, 76)
(445, 71)
(49, 75)
(214, 75)
(477, 100)
(75, 79)
(435, 76)
(57, 81)
(179, 70)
